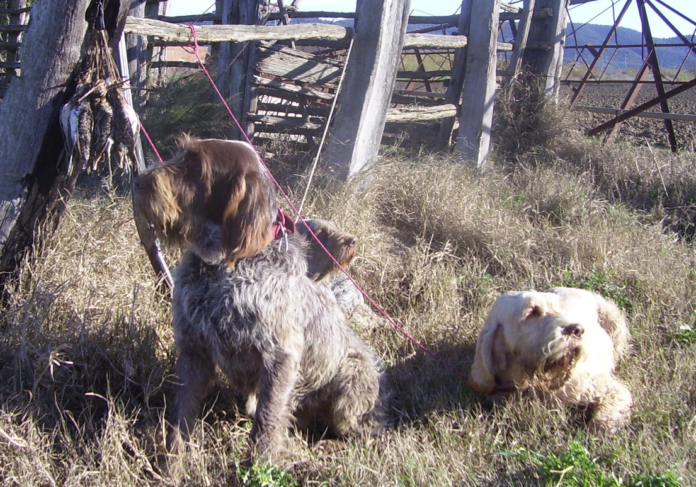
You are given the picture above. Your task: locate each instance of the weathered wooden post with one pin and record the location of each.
(136, 49)
(368, 85)
(513, 69)
(543, 57)
(454, 90)
(476, 119)
(236, 60)
(153, 9)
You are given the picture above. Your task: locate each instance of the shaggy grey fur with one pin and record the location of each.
(280, 338)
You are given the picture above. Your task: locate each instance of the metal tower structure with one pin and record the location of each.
(595, 60)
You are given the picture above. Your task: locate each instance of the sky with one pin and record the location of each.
(597, 12)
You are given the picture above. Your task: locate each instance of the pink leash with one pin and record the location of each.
(194, 50)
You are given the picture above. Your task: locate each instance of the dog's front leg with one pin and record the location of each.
(195, 370)
(612, 407)
(273, 408)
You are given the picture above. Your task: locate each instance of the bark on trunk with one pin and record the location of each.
(35, 181)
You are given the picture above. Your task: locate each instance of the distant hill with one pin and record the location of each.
(593, 34)
(630, 57)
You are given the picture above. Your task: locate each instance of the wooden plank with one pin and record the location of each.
(272, 129)
(269, 46)
(412, 100)
(473, 139)
(314, 14)
(184, 19)
(284, 122)
(415, 114)
(423, 75)
(233, 33)
(175, 64)
(314, 111)
(13, 28)
(14, 11)
(291, 88)
(434, 40)
(433, 19)
(288, 64)
(419, 94)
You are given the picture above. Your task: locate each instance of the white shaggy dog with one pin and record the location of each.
(563, 341)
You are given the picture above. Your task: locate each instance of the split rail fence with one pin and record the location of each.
(280, 67)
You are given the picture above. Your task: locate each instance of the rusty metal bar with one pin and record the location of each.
(641, 108)
(611, 33)
(674, 29)
(654, 64)
(621, 82)
(630, 99)
(618, 46)
(670, 8)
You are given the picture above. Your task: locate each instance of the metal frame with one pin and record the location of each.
(651, 66)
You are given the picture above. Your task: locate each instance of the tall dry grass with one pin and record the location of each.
(86, 358)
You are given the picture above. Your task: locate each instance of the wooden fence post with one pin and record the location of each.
(473, 139)
(136, 49)
(236, 60)
(153, 9)
(543, 57)
(454, 90)
(368, 85)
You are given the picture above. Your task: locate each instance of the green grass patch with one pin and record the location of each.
(575, 467)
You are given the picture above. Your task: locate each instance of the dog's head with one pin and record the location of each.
(341, 245)
(534, 334)
(210, 181)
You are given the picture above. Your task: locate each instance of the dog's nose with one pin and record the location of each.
(351, 242)
(574, 329)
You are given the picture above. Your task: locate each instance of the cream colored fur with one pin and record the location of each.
(563, 341)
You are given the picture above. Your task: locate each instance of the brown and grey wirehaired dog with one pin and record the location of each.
(210, 181)
(564, 342)
(341, 245)
(280, 338)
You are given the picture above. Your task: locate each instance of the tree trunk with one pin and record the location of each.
(35, 181)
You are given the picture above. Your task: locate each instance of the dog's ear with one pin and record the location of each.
(532, 307)
(490, 358)
(246, 222)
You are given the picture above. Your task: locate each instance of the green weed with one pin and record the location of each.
(265, 475)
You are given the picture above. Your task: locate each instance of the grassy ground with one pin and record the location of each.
(86, 345)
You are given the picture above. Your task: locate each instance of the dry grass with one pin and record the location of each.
(86, 363)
